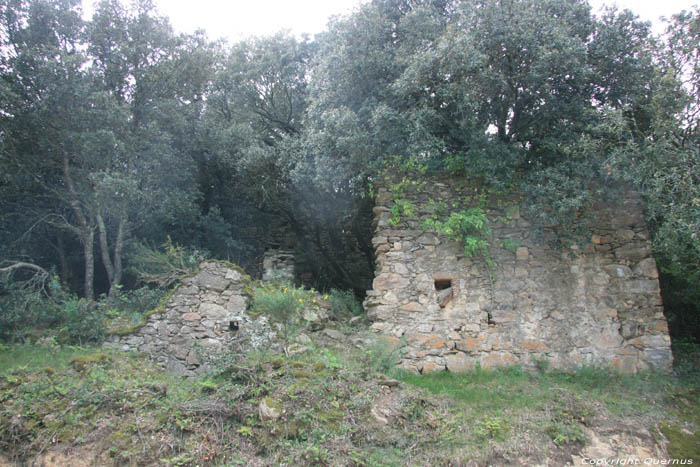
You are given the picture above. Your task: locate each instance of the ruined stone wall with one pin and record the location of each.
(278, 265)
(595, 305)
(205, 316)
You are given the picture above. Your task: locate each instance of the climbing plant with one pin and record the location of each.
(469, 227)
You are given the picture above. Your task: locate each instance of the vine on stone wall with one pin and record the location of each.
(468, 226)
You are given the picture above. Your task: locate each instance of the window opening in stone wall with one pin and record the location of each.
(443, 287)
(233, 326)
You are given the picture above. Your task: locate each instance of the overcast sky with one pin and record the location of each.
(237, 19)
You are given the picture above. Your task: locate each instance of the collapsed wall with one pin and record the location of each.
(599, 304)
(202, 319)
(278, 265)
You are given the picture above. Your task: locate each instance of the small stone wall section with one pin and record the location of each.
(597, 305)
(278, 265)
(205, 317)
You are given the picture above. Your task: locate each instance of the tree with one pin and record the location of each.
(98, 109)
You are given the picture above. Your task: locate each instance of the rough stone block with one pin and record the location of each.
(431, 367)
(208, 280)
(522, 253)
(647, 268)
(390, 281)
(236, 304)
(625, 363)
(629, 329)
(389, 298)
(493, 360)
(618, 270)
(625, 234)
(535, 345)
(608, 339)
(379, 240)
(658, 359)
(428, 239)
(633, 251)
(502, 317)
(213, 311)
(232, 275)
(658, 327)
(471, 344)
(435, 342)
(191, 317)
(458, 362)
(644, 286)
(413, 307)
(608, 313)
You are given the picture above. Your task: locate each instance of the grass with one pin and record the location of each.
(32, 356)
(119, 409)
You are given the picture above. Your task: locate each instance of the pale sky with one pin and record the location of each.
(238, 19)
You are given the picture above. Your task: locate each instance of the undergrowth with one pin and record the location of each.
(339, 406)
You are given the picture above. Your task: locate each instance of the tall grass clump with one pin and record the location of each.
(285, 305)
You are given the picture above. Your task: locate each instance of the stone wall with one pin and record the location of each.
(205, 316)
(278, 265)
(598, 304)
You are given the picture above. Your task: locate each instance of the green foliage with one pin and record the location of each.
(82, 322)
(130, 304)
(342, 305)
(154, 134)
(400, 208)
(27, 310)
(492, 428)
(686, 359)
(566, 433)
(383, 355)
(164, 267)
(469, 227)
(510, 244)
(284, 305)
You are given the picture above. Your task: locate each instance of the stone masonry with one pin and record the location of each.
(598, 304)
(205, 316)
(278, 265)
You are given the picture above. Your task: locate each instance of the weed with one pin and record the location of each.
(492, 428)
(566, 433)
(542, 364)
(383, 356)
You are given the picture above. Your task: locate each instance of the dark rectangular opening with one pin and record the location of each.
(443, 287)
(442, 284)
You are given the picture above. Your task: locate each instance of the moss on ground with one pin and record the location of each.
(682, 443)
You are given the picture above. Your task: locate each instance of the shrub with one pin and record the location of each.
(164, 268)
(343, 304)
(82, 322)
(284, 304)
(26, 310)
(131, 303)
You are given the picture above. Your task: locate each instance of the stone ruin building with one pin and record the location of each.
(204, 316)
(278, 265)
(598, 304)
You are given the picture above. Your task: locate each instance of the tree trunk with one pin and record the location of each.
(88, 240)
(86, 232)
(118, 246)
(112, 262)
